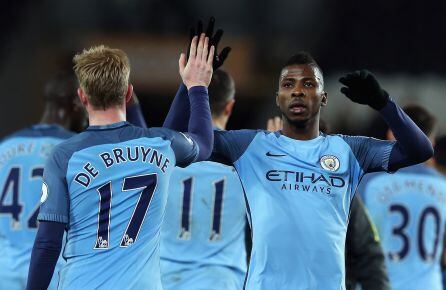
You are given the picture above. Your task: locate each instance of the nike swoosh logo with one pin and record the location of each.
(187, 138)
(274, 155)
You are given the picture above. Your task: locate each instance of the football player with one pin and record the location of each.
(107, 187)
(299, 183)
(409, 210)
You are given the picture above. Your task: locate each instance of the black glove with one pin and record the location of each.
(214, 39)
(363, 88)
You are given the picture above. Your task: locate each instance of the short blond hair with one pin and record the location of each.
(103, 75)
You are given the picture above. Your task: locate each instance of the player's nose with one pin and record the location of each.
(297, 93)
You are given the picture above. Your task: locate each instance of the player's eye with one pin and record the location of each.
(287, 84)
(309, 84)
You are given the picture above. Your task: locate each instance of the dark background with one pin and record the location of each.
(401, 41)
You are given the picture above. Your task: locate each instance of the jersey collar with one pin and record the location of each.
(305, 143)
(109, 126)
(44, 126)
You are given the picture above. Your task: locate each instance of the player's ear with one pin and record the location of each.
(277, 98)
(128, 95)
(324, 99)
(82, 97)
(228, 108)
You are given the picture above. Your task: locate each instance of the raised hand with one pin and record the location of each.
(363, 88)
(197, 71)
(214, 39)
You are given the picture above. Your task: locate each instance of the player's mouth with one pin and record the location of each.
(297, 108)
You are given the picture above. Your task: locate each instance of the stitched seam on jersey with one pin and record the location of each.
(362, 171)
(386, 156)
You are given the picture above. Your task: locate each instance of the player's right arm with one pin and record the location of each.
(53, 217)
(196, 74)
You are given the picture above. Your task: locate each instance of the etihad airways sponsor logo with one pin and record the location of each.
(302, 177)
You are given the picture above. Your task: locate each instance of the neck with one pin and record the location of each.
(301, 131)
(57, 116)
(430, 162)
(219, 122)
(106, 117)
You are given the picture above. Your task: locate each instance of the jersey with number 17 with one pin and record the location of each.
(409, 211)
(109, 185)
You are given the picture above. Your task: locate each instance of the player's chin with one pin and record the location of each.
(298, 118)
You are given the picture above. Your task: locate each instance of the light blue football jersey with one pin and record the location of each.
(299, 195)
(203, 234)
(22, 158)
(109, 185)
(409, 211)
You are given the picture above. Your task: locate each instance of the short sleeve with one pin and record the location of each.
(230, 145)
(55, 199)
(372, 154)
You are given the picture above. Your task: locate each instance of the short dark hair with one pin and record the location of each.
(221, 90)
(440, 150)
(421, 117)
(61, 88)
(302, 57)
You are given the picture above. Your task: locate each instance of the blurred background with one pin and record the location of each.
(402, 42)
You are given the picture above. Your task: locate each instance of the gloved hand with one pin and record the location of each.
(363, 88)
(214, 39)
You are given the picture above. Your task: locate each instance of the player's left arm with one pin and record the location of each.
(412, 146)
(45, 253)
(53, 217)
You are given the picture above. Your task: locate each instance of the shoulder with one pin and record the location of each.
(164, 133)
(240, 136)
(238, 140)
(59, 132)
(25, 132)
(90, 138)
(358, 141)
(352, 140)
(63, 151)
(249, 132)
(134, 132)
(36, 131)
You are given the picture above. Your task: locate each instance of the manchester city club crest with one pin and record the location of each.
(330, 162)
